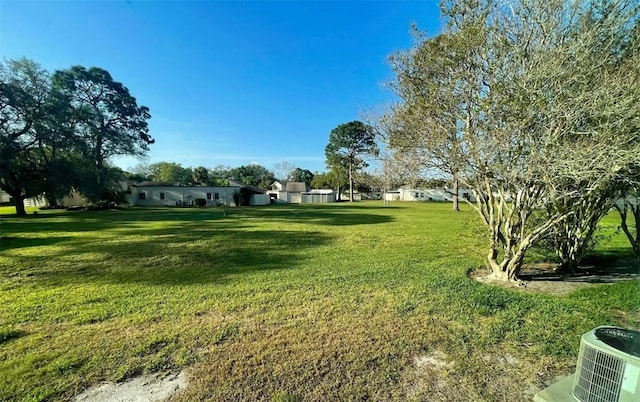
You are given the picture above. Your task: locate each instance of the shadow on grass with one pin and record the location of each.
(181, 253)
(9, 242)
(338, 215)
(342, 214)
(595, 269)
(9, 334)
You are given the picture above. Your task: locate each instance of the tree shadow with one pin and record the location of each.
(184, 253)
(595, 270)
(137, 219)
(325, 215)
(173, 245)
(7, 334)
(14, 242)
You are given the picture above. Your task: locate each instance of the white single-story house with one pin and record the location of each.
(297, 192)
(150, 193)
(405, 193)
(318, 196)
(287, 191)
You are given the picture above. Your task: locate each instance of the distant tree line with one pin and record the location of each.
(253, 174)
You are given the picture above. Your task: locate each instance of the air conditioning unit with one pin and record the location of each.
(608, 369)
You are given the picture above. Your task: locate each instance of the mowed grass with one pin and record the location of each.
(306, 302)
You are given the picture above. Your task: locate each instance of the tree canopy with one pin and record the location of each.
(170, 171)
(301, 175)
(200, 175)
(253, 175)
(348, 144)
(109, 120)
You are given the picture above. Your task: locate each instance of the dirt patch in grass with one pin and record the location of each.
(438, 377)
(151, 387)
(544, 278)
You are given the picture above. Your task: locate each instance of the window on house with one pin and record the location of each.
(142, 196)
(162, 196)
(417, 195)
(208, 196)
(421, 195)
(216, 196)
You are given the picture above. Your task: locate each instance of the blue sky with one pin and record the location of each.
(228, 83)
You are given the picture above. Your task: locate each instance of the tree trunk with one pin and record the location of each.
(492, 259)
(568, 267)
(633, 240)
(19, 200)
(51, 200)
(456, 201)
(350, 182)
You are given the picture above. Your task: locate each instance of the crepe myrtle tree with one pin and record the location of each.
(629, 210)
(432, 80)
(628, 207)
(348, 144)
(575, 236)
(558, 135)
(529, 115)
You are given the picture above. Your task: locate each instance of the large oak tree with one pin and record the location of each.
(110, 121)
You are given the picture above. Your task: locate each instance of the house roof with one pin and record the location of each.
(295, 187)
(253, 189)
(320, 191)
(150, 183)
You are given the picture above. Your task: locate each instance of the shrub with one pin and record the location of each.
(101, 205)
(201, 202)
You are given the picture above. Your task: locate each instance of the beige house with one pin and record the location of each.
(150, 193)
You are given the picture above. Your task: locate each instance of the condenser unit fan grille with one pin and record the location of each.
(599, 377)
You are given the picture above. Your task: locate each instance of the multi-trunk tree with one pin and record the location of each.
(530, 105)
(629, 209)
(435, 81)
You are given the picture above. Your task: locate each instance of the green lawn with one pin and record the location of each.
(326, 302)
